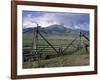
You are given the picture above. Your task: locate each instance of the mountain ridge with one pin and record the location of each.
(59, 30)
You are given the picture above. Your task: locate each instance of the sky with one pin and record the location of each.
(45, 19)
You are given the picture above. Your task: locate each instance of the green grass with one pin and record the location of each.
(71, 56)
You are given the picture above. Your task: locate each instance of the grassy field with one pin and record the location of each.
(73, 55)
(61, 61)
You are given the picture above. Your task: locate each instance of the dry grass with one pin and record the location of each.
(61, 61)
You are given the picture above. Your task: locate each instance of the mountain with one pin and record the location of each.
(55, 29)
(27, 30)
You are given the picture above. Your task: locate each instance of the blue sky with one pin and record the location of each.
(45, 19)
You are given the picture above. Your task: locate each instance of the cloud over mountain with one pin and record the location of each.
(44, 19)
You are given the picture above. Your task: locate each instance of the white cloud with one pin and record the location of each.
(77, 27)
(47, 19)
(84, 26)
(44, 20)
(27, 24)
